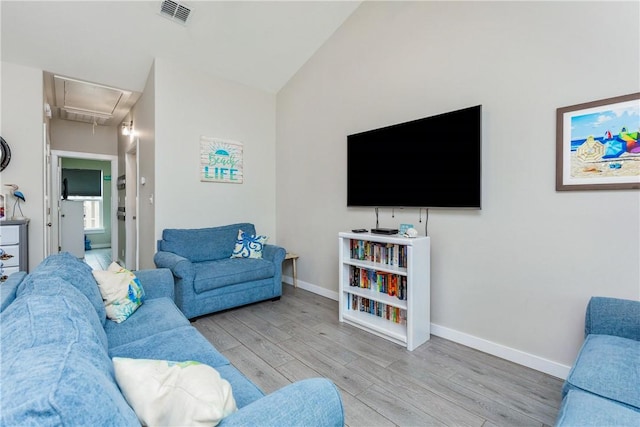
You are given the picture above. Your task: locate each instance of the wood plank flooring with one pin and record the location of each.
(382, 384)
(98, 259)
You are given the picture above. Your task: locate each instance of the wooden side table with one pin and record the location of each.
(293, 257)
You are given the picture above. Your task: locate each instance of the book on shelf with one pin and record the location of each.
(380, 253)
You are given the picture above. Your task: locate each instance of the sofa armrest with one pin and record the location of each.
(156, 283)
(310, 402)
(274, 253)
(8, 289)
(180, 266)
(613, 316)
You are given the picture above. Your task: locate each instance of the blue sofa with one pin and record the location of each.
(56, 350)
(207, 279)
(603, 386)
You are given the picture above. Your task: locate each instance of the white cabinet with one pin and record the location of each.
(72, 227)
(384, 286)
(14, 247)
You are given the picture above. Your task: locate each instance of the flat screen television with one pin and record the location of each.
(433, 162)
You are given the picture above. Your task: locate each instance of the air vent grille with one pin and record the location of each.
(175, 11)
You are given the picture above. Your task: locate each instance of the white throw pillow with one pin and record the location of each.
(164, 393)
(121, 291)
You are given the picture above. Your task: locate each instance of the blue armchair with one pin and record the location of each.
(207, 279)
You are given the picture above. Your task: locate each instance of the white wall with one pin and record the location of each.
(22, 128)
(190, 103)
(515, 277)
(144, 123)
(81, 137)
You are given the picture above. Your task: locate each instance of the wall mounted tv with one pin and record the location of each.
(433, 162)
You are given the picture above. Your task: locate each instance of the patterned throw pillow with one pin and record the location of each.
(248, 246)
(121, 291)
(165, 393)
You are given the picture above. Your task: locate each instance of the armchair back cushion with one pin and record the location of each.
(194, 244)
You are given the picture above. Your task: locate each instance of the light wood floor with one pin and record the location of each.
(98, 259)
(382, 384)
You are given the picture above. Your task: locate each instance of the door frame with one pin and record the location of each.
(132, 207)
(56, 180)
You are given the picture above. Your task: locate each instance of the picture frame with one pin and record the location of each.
(597, 145)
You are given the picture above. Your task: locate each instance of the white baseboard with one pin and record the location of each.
(311, 288)
(100, 245)
(516, 356)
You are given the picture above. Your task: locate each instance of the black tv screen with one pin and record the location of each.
(81, 182)
(433, 162)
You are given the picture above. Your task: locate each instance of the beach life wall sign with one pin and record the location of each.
(597, 145)
(220, 160)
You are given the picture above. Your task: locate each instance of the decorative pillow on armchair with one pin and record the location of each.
(248, 245)
(121, 291)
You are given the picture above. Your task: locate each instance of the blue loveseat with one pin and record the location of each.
(603, 386)
(207, 279)
(56, 350)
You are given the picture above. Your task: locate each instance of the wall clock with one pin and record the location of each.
(6, 154)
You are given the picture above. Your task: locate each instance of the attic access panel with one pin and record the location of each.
(86, 101)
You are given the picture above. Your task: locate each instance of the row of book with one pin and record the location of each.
(377, 308)
(382, 253)
(391, 284)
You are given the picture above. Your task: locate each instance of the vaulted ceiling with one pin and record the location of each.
(113, 43)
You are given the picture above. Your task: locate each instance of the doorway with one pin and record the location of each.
(56, 197)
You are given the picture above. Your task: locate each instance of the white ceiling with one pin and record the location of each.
(261, 43)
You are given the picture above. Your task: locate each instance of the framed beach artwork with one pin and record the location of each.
(597, 146)
(220, 160)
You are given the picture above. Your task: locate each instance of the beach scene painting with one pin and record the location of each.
(598, 145)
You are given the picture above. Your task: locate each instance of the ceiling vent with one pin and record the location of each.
(175, 11)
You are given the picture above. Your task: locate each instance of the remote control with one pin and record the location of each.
(360, 230)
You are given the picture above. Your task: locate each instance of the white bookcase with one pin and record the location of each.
(371, 267)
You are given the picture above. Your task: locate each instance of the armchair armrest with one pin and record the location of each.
(180, 266)
(156, 283)
(613, 316)
(310, 402)
(274, 253)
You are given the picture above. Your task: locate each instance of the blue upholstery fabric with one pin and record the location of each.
(230, 271)
(581, 409)
(308, 402)
(158, 283)
(68, 267)
(603, 386)
(618, 379)
(73, 303)
(56, 368)
(613, 316)
(216, 281)
(154, 316)
(196, 244)
(170, 345)
(8, 289)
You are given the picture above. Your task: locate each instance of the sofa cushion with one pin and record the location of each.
(154, 316)
(170, 345)
(121, 291)
(617, 378)
(203, 244)
(217, 274)
(50, 303)
(54, 369)
(166, 393)
(582, 409)
(66, 266)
